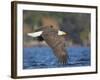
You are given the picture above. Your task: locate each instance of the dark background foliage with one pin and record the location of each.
(77, 25)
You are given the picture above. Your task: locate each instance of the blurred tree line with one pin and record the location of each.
(77, 25)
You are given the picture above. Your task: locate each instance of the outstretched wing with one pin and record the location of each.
(57, 43)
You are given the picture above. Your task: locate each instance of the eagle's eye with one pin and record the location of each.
(51, 26)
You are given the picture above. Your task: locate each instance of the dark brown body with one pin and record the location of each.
(56, 42)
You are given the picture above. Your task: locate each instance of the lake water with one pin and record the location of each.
(43, 57)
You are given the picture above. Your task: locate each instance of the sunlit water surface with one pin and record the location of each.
(43, 57)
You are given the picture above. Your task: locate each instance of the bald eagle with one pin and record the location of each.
(53, 37)
(50, 32)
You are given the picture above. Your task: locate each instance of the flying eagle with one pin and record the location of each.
(55, 40)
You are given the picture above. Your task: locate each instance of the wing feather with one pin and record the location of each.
(57, 43)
